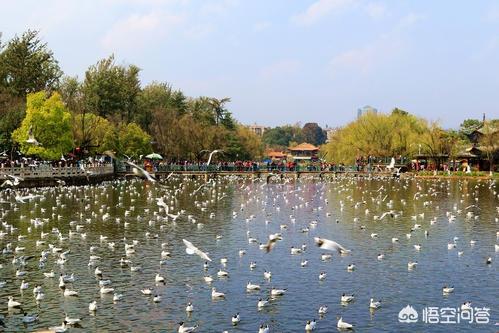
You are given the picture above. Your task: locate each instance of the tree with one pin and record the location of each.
(250, 142)
(134, 140)
(433, 143)
(489, 141)
(452, 144)
(27, 66)
(376, 134)
(71, 91)
(12, 110)
(128, 139)
(400, 112)
(281, 136)
(111, 91)
(202, 110)
(50, 123)
(96, 136)
(469, 125)
(314, 134)
(159, 96)
(219, 110)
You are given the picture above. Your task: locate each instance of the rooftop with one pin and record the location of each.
(304, 147)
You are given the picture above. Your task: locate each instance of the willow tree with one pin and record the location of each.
(376, 134)
(489, 141)
(49, 122)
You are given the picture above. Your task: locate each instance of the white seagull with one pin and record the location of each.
(191, 249)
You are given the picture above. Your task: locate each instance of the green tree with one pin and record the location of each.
(159, 96)
(252, 144)
(434, 144)
(489, 141)
(111, 90)
(469, 125)
(400, 112)
(27, 66)
(133, 141)
(12, 110)
(50, 123)
(97, 134)
(281, 136)
(314, 134)
(219, 110)
(201, 109)
(376, 134)
(452, 144)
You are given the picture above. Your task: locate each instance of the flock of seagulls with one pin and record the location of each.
(40, 242)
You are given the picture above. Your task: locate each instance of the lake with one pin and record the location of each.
(235, 209)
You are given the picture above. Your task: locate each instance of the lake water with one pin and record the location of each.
(124, 211)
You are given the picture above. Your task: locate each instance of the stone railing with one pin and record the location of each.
(47, 171)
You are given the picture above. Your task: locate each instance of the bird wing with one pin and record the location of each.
(383, 215)
(270, 244)
(144, 172)
(330, 245)
(191, 249)
(15, 178)
(211, 155)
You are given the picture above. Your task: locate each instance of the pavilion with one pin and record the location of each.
(304, 151)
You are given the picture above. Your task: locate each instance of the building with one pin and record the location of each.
(274, 155)
(304, 151)
(257, 129)
(330, 132)
(365, 110)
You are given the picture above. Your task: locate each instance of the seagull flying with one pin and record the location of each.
(327, 244)
(191, 249)
(138, 170)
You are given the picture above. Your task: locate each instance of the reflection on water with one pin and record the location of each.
(237, 209)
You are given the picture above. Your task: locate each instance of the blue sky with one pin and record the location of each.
(288, 61)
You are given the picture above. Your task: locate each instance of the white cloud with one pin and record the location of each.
(385, 48)
(492, 14)
(368, 58)
(360, 59)
(281, 68)
(321, 8)
(199, 31)
(136, 30)
(410, 19)
(261, 26)
(145, 2)
(375, 10)
(219, 7)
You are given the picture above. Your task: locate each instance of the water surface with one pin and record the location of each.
(124, 211)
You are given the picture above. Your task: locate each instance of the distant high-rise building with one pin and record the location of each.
(365, 110)
(330, 132)
(257, 129)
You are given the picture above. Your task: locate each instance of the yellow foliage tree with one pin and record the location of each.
(47, 122)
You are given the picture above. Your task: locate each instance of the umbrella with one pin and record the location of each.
(154, 156)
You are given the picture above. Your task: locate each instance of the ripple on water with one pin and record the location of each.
(388, 279)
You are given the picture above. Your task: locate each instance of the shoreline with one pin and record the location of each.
(23, 177)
